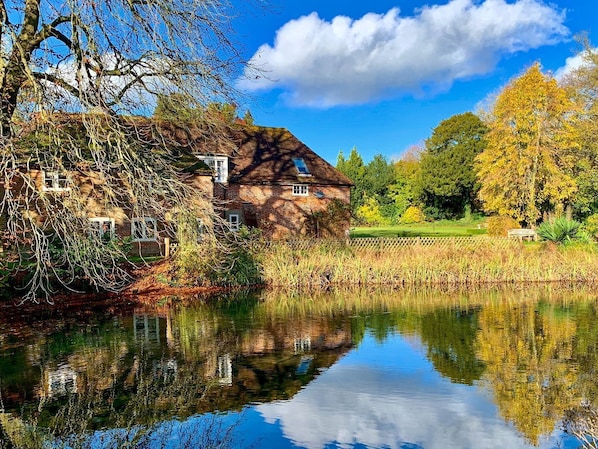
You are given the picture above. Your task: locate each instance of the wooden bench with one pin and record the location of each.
(522, 234)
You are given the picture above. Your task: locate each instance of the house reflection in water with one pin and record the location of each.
(177, 356)
(146, 328)
(225, 370)
(60, 381)
(249, 358)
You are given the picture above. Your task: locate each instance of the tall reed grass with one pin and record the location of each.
(328, 263)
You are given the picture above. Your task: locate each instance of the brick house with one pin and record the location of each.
(146, 233)
(273, 181)
(267, 179)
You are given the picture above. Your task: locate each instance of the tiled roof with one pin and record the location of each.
(257, 154)
(266, 155)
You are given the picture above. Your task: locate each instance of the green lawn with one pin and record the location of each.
(434, 229)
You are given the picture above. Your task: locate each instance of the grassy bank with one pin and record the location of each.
(442, 228)
(332, 263)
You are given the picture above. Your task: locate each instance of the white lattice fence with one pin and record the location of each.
(390, 244)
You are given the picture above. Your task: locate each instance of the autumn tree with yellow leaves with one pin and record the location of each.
(525, 170)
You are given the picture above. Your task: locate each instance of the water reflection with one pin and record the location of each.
(341, 369)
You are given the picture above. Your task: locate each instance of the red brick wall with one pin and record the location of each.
(280, 214)
(93, 206)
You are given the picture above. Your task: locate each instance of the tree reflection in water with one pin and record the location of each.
(134, 379)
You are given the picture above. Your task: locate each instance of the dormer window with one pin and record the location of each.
(55, 181)
(218, 164)
(302, 169)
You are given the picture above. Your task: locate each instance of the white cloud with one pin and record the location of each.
(345, 61)
(571, 64)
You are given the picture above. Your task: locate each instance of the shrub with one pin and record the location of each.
(591, 226)
(229, 260)
(370, 213)
(413, 214)
(499, 225)
(560, 230)
(331, 222)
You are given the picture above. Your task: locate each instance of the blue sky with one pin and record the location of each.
(381, 75)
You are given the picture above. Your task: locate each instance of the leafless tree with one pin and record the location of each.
(73, 74)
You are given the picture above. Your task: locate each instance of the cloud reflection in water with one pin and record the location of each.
(389, 396)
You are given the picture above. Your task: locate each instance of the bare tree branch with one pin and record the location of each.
(60, 65)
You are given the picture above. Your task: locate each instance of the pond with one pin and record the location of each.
(340, 369)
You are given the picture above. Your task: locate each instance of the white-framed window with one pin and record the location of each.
(101, 228)
(234, 221)
(55, 181)
(301, 167)
(144, 229)
(302, 344)
(300, 190)
(219, 164)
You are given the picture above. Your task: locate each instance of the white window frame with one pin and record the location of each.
(146, 227)
(219, 165)
(300, 190)
(58, 181)
(97, 227)
(234, 221)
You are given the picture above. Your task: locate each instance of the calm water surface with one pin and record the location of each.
(360, 369)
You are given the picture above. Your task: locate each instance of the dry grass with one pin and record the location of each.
(328, 263)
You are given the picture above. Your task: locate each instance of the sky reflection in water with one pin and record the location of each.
(387, 395)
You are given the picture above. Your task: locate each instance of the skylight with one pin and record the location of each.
(302, 169)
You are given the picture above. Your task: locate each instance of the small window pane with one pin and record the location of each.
(144, 229)
(54, 181)
(102, 228)
(234, 222)
(300, 190)
(219, 165)
(301, 167)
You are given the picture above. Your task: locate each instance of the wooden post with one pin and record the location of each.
(167, 247)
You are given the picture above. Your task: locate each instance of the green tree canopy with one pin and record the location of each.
(401, 191)
(379, 176)
(354, 169)
(371, 189)
(525, 170)
(446, 181)
(582, 85)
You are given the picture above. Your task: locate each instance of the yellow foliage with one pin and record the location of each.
(527, 355)
(413, 214)
(499, 225)
(370, 212)
(532, 143)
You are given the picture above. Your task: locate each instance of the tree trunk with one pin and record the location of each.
(15, 71)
